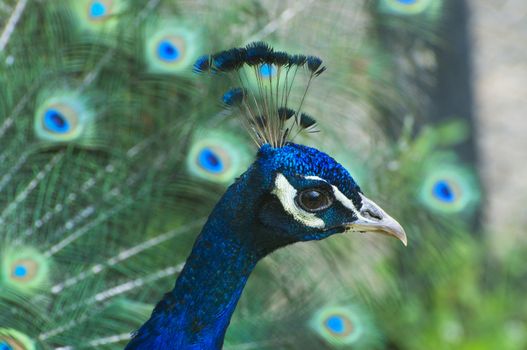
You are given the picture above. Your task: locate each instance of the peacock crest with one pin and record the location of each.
(263, 99)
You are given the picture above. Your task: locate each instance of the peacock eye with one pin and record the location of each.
(314, 199)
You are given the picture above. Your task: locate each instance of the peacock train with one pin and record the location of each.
(123, 149)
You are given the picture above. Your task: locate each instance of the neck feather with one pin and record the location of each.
(197, 312)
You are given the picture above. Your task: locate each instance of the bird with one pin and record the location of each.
(291, 193)
(114, 152)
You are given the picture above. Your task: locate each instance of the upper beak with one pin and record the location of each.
(374, 219)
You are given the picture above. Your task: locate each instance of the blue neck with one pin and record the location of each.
(197, 312)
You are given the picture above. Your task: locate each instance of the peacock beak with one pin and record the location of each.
(374, 219)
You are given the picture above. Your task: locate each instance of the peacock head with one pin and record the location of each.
(307, 195)
(296, 193)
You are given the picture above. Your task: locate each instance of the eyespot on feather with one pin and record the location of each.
(172, 47)
(217, 156)
(24, 270)
(345, 325)
(449, 189)
(11, 339)
(98, 15)
(63, 117)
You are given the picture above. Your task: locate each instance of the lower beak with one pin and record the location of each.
(373, 219)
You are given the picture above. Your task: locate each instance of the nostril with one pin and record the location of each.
(371, 214)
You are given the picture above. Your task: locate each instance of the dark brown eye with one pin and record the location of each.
(314, 199)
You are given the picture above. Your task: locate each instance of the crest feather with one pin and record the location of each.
(267, 78)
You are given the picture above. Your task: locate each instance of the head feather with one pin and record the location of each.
(264, 107)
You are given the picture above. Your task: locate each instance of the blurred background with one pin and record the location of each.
(113, 152)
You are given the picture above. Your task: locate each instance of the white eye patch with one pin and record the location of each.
(286, 193)
(345, 201)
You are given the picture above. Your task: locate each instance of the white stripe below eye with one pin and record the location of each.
(348, 203)
(286, 193)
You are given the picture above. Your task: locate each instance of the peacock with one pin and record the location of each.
(114, 151)
(291, 193)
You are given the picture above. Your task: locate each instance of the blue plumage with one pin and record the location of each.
(202, 64)
(313, 63)
(210, 161)
(294, 159)
(229, 60)
(258, 53)
(197, 312)
(336, 324)
(249, 222)
(55, 121)
(167, 51)
(267, 70)
(234, 97)
(297, 60)
(97, 9)
(443, 191)
(20, 271)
